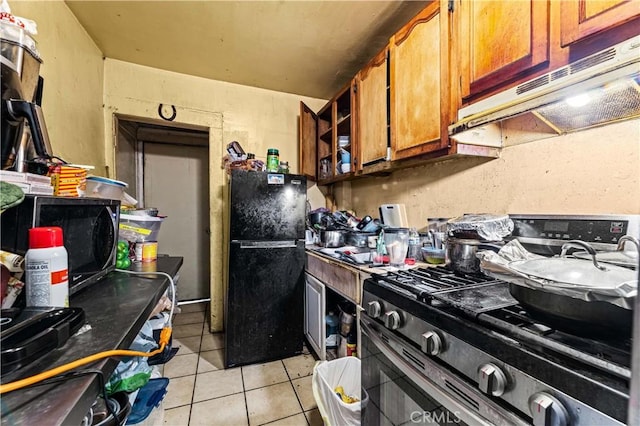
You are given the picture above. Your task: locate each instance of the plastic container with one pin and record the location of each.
(140, 229)
(396, 241)
(414, 245)
(273, 160)
(332, 322)
(433, 255)
(100, 187)
(46, 268)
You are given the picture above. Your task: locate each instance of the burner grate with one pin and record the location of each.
(472, 293)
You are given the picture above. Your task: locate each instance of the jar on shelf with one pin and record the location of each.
(283, 167)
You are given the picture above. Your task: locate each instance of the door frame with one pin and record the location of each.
(188, 118)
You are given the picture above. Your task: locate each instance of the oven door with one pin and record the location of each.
(406, 387)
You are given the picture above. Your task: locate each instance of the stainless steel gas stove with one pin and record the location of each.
(440, 348)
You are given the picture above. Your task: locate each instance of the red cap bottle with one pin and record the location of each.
(45, 237)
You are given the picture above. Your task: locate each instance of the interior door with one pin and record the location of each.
(314, 303)
(176, 181)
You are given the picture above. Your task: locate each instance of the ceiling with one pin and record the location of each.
(309, 48)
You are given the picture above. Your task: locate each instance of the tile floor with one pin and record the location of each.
(202, 392)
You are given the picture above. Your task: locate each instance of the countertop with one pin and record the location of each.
(366, 268)
(116, 308)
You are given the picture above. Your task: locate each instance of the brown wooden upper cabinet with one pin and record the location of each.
(373, 110)
(328, 137)
(419, 75)
(504, 43)
(583, 18)
(500, 40)
(307, 149)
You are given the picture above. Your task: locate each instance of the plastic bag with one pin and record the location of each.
(134, 372)
(327, 376)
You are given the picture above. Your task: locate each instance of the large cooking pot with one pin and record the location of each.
(462, 254)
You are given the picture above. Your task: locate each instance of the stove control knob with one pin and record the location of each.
(374, 309)
(392, 320)
(491, 379)
(431, 343)
(547, 410)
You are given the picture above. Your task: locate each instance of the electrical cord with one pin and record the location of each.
(165, 335)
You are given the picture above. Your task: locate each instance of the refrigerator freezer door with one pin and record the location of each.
(267, 206)
(265, 303)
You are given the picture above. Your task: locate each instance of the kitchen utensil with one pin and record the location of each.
(332, 238)
(486, 227)
(394, 215)
(619, 257)
(396, 241)
(462, 254)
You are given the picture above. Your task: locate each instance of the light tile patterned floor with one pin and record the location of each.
(202, 392)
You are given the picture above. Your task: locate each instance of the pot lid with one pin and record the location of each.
(569, 272)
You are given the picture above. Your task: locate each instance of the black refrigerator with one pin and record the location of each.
(264, 303)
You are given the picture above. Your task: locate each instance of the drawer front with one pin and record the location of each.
(339, 278)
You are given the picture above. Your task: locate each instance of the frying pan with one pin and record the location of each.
(585, 315)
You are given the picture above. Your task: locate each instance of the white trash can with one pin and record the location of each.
(327, 376)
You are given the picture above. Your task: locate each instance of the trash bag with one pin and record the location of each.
(134, 372)
(327, 376)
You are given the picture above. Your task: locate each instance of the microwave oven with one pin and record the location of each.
(89, 231)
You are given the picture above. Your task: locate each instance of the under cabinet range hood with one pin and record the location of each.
(600, 89)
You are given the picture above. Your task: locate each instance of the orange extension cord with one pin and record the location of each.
(165, 334)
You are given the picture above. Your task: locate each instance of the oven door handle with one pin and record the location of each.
(385, 341)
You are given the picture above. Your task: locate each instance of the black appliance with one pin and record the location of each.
(439, 347)
(265, 295)
(89, 228)
(28, 335)
(23, 147)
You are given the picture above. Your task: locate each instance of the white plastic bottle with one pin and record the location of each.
(46, 267)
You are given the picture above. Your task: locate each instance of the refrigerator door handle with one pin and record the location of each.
(265, 244)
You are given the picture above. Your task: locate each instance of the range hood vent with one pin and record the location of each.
(600, 89)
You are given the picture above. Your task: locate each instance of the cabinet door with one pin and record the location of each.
(501, 41)
(373, 110)
(420, 84)
(314, 302)
(308, 142)
(582, 18)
